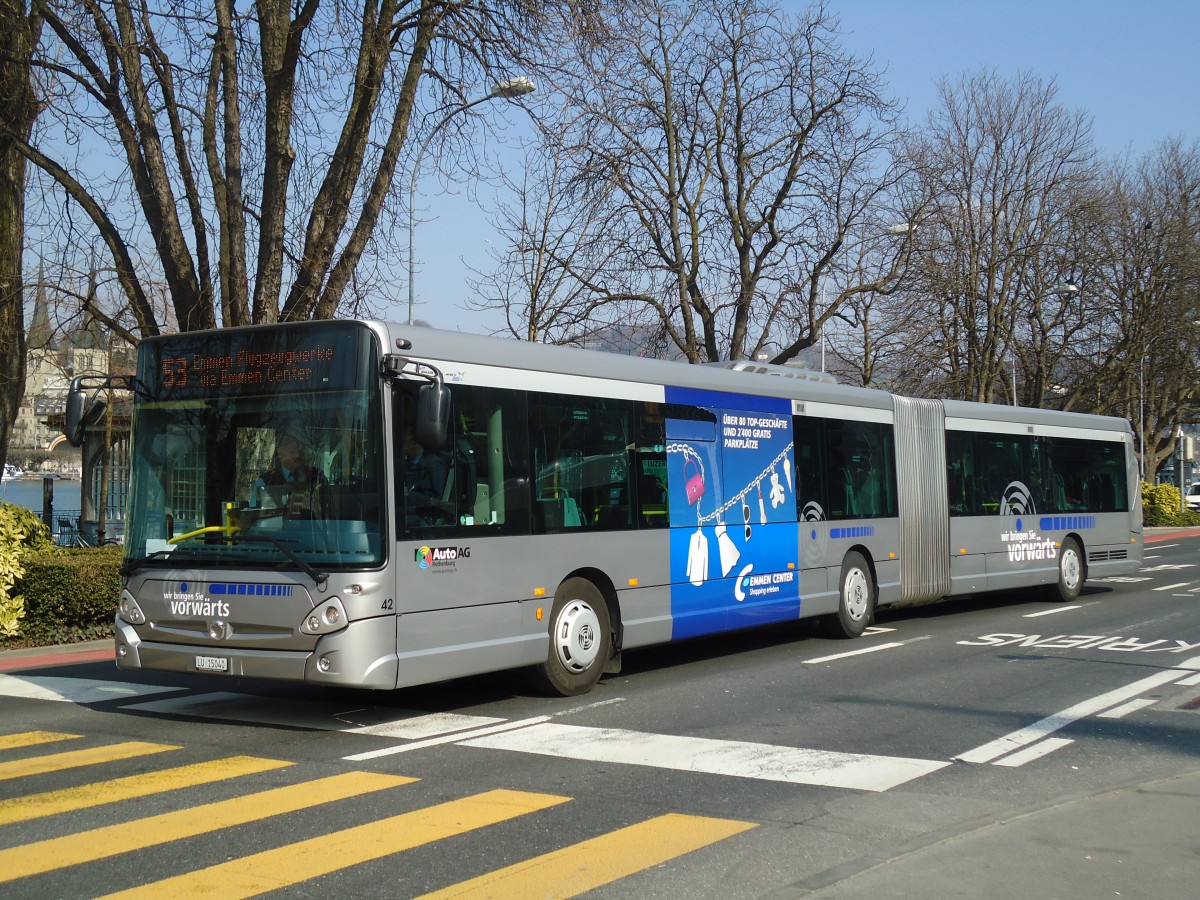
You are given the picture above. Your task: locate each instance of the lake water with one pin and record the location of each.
(27, 492)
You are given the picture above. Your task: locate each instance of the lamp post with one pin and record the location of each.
(1067, 290)
(507, 89)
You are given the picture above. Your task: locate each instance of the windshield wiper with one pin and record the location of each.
(319, 578)
(132, 565)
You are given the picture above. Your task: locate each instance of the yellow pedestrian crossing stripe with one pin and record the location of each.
(566, 872)
(51, 803)
(599, 861)
(274, 869)
(112, 840)
(32, 739)
(72, 759)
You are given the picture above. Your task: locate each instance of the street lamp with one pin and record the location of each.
(1069, 289)
(507, 89)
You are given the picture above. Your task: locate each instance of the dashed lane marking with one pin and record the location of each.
(1039, 730)
(1051, 612)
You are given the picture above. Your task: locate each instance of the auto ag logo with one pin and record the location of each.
(424, 557)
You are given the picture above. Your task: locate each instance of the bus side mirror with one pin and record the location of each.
(79, 413)
(433, 415)
(73, 427)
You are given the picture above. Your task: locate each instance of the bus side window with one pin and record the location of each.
(584, 457)
(808, 435)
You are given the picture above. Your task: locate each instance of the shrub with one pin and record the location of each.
(1161, 506)
(70, 595)
(21, 531)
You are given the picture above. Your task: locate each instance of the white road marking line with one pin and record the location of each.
(1122, 579)
(822, 659)
(1037, 751)
(461, 737)
(740, 759)
(1171, 587)
(876, 629)
(478, 732)
(1126, 708)
(1038, 730)
(227, 706)
(75, 690)
(1050, 612)
(424, 726)
(1191, 680)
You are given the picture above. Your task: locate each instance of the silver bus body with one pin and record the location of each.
(592, 503)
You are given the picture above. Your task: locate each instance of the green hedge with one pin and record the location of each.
(1161, 506)
(71, 594)
(51, 595)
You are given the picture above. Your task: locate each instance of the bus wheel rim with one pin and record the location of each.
(577, 638)
(858, 591)
(1070, 569)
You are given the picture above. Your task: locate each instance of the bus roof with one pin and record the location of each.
(450, 346)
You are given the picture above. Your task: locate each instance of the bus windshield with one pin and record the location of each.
(258, 447)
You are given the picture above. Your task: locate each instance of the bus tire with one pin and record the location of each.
(856, 599)
(580, 640)
(1072, 572)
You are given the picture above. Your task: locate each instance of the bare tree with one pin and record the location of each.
(535, 281)
(1140, 357)
(1004, 165)
(254, 148)
(726, 155)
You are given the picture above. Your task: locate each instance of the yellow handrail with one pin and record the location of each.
(208, 529)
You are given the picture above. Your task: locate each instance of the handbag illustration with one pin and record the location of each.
(694, 486)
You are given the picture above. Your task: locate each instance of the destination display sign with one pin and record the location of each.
(262, 361)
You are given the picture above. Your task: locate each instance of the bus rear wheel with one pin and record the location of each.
(580, 640)
(1072, 572)
(856, 599)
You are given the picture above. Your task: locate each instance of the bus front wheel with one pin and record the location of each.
(856, 599)
(580, 640)
(1072, 571)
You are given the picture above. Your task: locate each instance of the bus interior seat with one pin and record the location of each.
(556, 513)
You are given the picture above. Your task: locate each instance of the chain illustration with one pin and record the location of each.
(688, 452)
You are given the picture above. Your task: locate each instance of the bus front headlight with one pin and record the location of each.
(326, 617)
(129, 610)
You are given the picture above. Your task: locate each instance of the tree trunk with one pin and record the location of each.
(18, 108)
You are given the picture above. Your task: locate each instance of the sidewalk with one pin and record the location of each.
(1138, 841)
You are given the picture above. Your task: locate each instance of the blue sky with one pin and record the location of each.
(1133, 66)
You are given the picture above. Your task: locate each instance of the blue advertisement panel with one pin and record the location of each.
(731, 471)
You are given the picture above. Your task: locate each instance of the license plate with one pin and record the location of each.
(212, 663)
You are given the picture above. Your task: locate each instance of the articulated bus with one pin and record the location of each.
(471, 504)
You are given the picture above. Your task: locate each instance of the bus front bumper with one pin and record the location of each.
(362, 655)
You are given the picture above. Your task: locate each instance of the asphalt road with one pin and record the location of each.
(996, 746)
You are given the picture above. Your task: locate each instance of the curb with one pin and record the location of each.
(1151, 535)
(57, 655)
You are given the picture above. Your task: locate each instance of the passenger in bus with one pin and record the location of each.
(425, 474)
